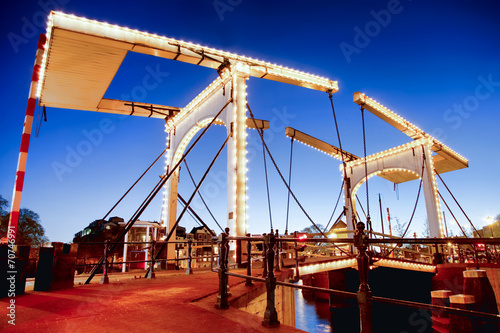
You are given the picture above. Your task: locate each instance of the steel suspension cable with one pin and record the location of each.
(344, 166)
(267, 187)
(456, 201)
(338, 133)
(187, 203)
(418, 193)
(138, 179)
(193, 213)
(284, 181)
(290, 183)
(334, 209)
(416, 201)
(197, 187)
(337, 219)
(361, 206)
(366, 164)
(201, 197)
(281, 175)
(131, 187)
(190, 213)
(152, 194)
(456, 221)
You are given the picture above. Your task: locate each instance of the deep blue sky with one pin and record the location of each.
(424, 59)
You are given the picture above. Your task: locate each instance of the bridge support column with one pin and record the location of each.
(431, 195)
(172, 214)
(237, 159)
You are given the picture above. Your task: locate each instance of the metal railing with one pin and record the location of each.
(364, 296)
(153, 259)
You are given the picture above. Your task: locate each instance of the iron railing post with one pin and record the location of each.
(222, 297)
(212, 254)
(264, 255)
(177, 249)
(278, 253)
(249, 262)
(189, 269)
(297, 274)
(105, 278)
(364, 293)
(270, 315)
(151, 272)
(238, 253)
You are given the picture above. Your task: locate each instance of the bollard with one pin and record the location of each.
(189, 269)
(278, 253)
(458, 323)
(151, 272)
(364, 293)
(249, 262)
(270, 315)
(104, 278)
(476, 283)
(440, 319)
(222, 297)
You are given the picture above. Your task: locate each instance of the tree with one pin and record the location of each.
(398, 228)
(495, 226)
(4, 217)
(3, 206)
(425, 230)
(29, 228)
(312, 230)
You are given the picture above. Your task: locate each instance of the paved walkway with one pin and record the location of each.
(173, 302)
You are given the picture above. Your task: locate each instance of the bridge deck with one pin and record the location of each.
(325, 263)
(173, 302)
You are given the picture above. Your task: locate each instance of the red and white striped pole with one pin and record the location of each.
(25, 142)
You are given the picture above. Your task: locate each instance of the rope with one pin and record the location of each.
(366, 164)
(468, 219)
(267, 187)
(290, 183)
(201, 197)
(284, 181)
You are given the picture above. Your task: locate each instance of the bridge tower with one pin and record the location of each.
(230, 89)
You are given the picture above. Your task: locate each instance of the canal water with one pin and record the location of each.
(313, 315)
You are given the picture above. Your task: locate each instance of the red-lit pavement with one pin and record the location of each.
(173, 302)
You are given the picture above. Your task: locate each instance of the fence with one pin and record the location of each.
(364, 296)
(90, 254)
